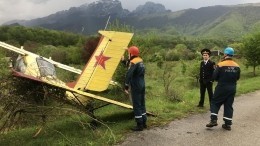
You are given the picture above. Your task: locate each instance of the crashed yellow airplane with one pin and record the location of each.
(96, 76)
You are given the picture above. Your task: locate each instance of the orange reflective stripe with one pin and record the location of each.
(228, 63)
(136, 60)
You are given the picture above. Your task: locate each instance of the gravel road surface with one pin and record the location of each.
(192, 131)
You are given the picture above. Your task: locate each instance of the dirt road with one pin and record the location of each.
(193, 132)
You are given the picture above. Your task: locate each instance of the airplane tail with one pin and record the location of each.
(100, 68)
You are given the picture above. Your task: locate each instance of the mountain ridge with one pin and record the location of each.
(204, 21)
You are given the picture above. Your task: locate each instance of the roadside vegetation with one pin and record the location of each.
(172, 90)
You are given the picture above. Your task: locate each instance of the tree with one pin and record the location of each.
(172, 55)
(89, 48)
(3, 65)
(145, 44)
(23, 34)
(194, 68)
(117, 26)
(168, 77)
(59, 56)
(251, 50)
(238, 47)
(194, 71)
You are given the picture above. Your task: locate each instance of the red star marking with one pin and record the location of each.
(101, 60)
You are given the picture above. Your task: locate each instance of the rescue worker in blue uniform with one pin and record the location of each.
(226, 74)
(206, 72)
(135, 79)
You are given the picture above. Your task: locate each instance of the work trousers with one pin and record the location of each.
(138, 99)
(203, 86)
(224, 94)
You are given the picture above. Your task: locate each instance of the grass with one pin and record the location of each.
(75, 129)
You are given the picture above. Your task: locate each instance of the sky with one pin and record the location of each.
(30, 9)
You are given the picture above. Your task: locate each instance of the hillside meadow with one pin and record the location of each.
(172, 90)
(115, 122)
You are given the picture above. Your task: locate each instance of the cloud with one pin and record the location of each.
(38, 1)
(29, 9)
(13, 9)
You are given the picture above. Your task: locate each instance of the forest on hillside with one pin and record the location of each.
(172, 70)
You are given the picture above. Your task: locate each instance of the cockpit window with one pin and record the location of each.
(45, 67)
(20, 65)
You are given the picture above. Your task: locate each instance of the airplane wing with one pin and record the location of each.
(98, 72)
(83, 95)
(23, 52)
(78, 92)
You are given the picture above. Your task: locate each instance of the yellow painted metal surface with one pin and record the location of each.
(32, 68)
(99, 71)
(30, 58)
(97, 74)
(83, 96)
